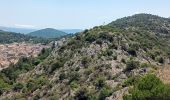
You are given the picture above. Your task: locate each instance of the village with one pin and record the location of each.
(10, 53)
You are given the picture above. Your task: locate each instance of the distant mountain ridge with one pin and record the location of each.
(48, 33)
(17, 30)
(28, 30)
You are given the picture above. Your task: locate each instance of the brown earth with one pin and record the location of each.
(164, 74)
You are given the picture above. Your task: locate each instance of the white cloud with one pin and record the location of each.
(24, 26)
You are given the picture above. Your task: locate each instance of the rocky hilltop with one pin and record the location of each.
(113, 62)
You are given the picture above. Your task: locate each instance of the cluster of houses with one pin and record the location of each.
(10, 53)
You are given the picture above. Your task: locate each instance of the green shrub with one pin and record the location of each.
(31, 86)
(132, 64)
(88, 71)
(106, 36)
(130, 81)
(37, 97)
(26, 66)
(154, 54)
(62, 48)
(36, 62)
(74, 76)
(85, 61)
(41, 80)
(99, 41)
(91, 37)
(62, 76)
(18, 86)
(160, 59)
(100, 82)
(115, 57)
(135, 46)
(3, 86)
(107, 52)
(73, 85)
(148, 87)
(72, 42)
(105, 92)
(57, 64)
(148, 82)
(85, 31)
(113, 46)
(132, 51)
(145, 65)
(77, 69)
(78, 36)
(123, 60)
(81, 94)
(44, 54)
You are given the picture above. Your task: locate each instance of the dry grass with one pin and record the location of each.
(164, 74)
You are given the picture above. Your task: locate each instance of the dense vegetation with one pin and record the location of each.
(48, 33)
(149, 30)
(148, 87)
(145, 22)
(9, 37)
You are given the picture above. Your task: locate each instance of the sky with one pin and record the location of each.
(74, 14)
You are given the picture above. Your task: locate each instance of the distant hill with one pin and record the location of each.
(27, 30)
(9, 37)
(48, 33)
(17, 30)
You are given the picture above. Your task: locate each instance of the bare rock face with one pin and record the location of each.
(118, 95)
(60, 43)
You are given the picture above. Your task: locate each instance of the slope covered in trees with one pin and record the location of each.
(145, 22)
(9, 37)
(100, 63)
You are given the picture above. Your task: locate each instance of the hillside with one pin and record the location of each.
(144, 21)
(48, 33)
(10, 37)
(113, 62)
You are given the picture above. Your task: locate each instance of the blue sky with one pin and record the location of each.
(81, 14)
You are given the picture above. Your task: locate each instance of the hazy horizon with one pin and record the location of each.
(75, 14)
